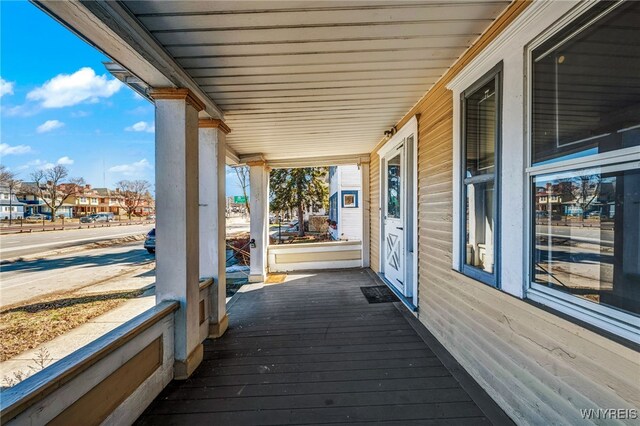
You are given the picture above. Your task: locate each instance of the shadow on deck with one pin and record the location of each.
(312, 350)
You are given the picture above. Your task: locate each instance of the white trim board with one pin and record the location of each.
(512, 47)
(509, 48)
(409, 128)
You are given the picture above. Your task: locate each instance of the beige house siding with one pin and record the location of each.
(541, 368)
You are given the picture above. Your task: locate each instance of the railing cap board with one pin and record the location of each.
(35, 388)
(205, 282)
(274, 247)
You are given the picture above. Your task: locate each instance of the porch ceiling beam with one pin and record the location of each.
(232, 157)
(332, 160)
(113, 30)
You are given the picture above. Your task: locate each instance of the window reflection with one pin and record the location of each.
(586, 88)
(480, 131)
(480, 145)
(393, 188)
(480, 226)
(587, 236)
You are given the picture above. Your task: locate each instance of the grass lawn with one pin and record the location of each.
(25, 327)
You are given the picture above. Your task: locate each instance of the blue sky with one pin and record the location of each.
(60, 106)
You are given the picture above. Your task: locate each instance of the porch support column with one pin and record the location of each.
(177, 274)
(259, 226)
(212, 153)
(366, 214)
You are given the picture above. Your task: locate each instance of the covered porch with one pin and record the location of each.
(313, 350)
(380, 85)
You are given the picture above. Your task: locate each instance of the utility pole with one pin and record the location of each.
(10, 204)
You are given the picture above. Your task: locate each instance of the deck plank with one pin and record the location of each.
(313, 351)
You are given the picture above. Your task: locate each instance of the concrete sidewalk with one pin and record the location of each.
(64, 345)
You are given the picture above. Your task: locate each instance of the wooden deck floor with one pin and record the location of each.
(313, 351)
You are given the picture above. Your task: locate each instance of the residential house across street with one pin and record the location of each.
(10, 206)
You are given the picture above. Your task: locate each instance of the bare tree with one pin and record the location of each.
(242, 172)
(585, 191)
(49, 187)
(132, 194)
(9, 179)
(5, 174)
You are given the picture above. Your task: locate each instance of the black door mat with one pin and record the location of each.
(379, 294)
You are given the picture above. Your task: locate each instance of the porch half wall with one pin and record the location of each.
(539, 367)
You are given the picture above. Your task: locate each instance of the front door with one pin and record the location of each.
(394, 233)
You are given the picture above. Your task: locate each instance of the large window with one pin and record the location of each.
(586, 221)
(586, 86)
(481, 130)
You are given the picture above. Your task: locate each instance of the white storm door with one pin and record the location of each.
(394, 234)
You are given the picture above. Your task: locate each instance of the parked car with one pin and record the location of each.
(594, 214)
(150, 241)
(88, 219)
(152, 217)
(294, 227)
(37, 217)
(104, 217)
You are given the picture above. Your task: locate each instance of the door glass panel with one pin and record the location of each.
(393, 187)
(587, 236)
(480, 226)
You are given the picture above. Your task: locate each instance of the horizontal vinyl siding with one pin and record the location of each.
(540, 368)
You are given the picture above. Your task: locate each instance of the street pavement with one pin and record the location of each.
(105, 268)
(584, 234)
(237, 225)
(29, 244)
(98, 269)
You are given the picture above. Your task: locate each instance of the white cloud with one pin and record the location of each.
(6, 87)
(36, 164)
(141, 126)
(6, 149)
(49, 125)
(25, 110)
(65, 161)
(132, 169)
(80, 114)
(66, 90)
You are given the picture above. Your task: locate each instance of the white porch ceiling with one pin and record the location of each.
(305, 79)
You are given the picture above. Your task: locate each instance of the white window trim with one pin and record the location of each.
(613, 320)
(512, 47)
(596, 160)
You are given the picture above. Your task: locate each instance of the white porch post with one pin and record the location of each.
(366, 212)
(259, 226)
(212, 153)
(177, 274)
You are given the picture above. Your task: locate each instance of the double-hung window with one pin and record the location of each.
(585, 168)
(481, 106)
